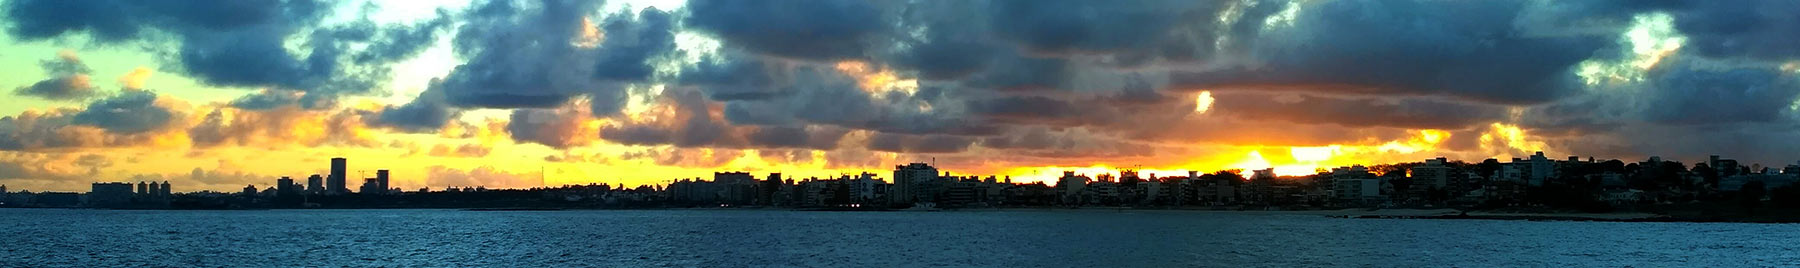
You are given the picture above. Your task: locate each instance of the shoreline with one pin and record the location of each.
(1347, 213)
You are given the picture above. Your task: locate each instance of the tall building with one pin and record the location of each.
(1432, 174)
(315, 184)
(286, 187)
(335, 184)
(143, 189)
(1068, 188)
(154, 190)
(164, 190)
(915, 182)
(381, 178)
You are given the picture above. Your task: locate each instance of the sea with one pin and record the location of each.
(779, 238)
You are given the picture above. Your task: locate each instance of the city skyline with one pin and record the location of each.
(516, 94)
(315, 184)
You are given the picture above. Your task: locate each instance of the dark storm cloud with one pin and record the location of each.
(527, 55)
(276, 98)
(399, 42)
(738, 77)
(1469, 50)
(813, 94)
(1076, 26)
(821, 138)
(1034, 110)
(630, 44)
(428, 112)
(71, 87)
(237, 43)
(128, 113)
(519, 55)
(1409, 112)
(906, 143)
(808, 30)
(1750, 29)
(1683, 93)
(1068, 142)
(1024, 73)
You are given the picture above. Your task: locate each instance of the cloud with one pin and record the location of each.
(1465, 50)
(1076, 27)
(529, 56)
(686, 121)
(281, 127)
(68, 80)
(129, 112)
(484, 176)
(465, 150)
(807, 30)
(237, 43)
(1402, 112)
(558, 128)
(428, 112)
(904, 143)
(817, 137)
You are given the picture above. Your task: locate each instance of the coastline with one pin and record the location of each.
(1348, 213)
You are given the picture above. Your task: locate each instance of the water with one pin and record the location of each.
(733, 238)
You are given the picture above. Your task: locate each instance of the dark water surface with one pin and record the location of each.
(735, 238)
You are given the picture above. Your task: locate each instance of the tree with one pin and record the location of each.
(1751, 196)
(1785, 196)
(1488, 167)
(1710, 176)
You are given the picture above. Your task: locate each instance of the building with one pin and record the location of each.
(143, 188)
(864, 188)
(913, 183)
(110, 194)
(285, 187)
(1355, 184)
(155, 190)
(381, 177)
(165, 191)
(315, 184)
(335, 183)
(1069, 187)
(1433, 173)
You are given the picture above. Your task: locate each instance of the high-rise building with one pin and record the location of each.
(315, 184)
(154, 190)
(1432, 174)
(381, 178)
(143, 189)
(915, 182)
(164, 190)
(286, 187)
(335, 183)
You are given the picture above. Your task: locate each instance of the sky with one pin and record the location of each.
(217, 94)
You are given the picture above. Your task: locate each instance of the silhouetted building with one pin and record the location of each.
(315, 184)
(165, 190)
(335, 184)
(381, 177)
(143, 188)
(286, 187)
(1069, 187)
(249, 190)
(916, 182)
(155, 190)
(110, 194)
(1432, 174)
